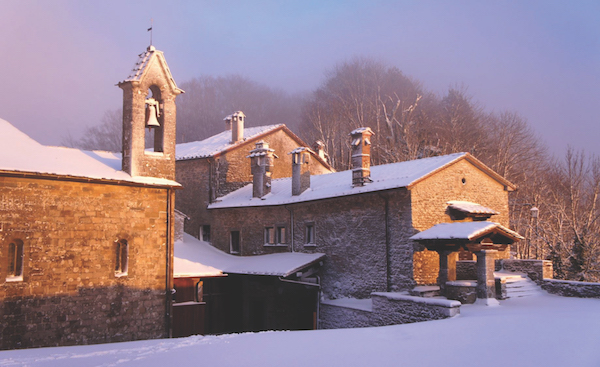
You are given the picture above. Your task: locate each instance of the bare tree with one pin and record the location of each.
(107, 135)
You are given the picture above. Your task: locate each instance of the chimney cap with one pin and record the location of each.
(362, 130)
(302, 149)
(238, 114)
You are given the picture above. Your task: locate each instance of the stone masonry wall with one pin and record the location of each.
(69, 293)
(536, 270)
(388, 309)
(350, 230)
(568, 288)
(194, 176)
(428, 202)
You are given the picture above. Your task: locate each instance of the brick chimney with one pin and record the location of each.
(361, 156)
(300, 170)
(261, 167)
(237, 126)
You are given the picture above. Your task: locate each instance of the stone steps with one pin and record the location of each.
(519, 285)
(426, 291)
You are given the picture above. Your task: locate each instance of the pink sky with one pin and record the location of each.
(61, 59)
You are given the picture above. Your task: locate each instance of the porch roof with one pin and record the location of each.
(195, 258)
(464, 231)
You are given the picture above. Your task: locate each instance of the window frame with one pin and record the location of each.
(16, 260)
(280, 235)
(310, 237)
(121, 258)
(239, 242)
(269, 235)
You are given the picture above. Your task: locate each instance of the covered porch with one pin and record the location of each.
(483, 238)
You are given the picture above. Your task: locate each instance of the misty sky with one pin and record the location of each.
(60, 60)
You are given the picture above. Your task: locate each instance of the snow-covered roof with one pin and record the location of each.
(195, 258)
(20, 153)
(462, 231)
(387, 176)
(218, 143)
(144, 60)
(471, 208)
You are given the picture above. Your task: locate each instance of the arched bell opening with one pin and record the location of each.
(154, 121)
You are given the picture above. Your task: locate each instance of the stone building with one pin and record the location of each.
(213, 167)
(363, 218)
(86, 238)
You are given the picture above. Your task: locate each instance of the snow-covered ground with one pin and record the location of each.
(542, 330)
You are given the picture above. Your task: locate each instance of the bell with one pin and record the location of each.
(152, 121)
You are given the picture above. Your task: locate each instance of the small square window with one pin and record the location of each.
(310, 234)
(281, 235)
(269, 235)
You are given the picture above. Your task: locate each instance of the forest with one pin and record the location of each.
(555, 207)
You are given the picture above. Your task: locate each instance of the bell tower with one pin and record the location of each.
(149, 117)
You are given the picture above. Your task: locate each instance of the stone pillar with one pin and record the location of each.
(486, 285)
(447, 268)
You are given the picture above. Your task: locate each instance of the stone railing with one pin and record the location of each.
(386, 308)
(536, 270)
(568, 288)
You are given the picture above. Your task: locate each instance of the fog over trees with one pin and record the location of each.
(411, 122)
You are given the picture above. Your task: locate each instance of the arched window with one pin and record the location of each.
(122, 257)
(153, 137)
(15, 260)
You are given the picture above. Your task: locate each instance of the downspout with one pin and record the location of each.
(168, 287)
(388, 260)
(291, 227)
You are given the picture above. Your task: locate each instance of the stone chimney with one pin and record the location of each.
(227, 120)
(361, 156)
(237, 126)
(319, 149)
(300, 170)
(261, 167)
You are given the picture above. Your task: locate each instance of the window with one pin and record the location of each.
(280, 234)
(15, 261)
(269, 235)
(234, 243)
(205, 233)
(310, 234)
(122, 258)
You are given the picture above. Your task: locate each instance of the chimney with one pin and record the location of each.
(237, 126)
(319, 149)
(261, 166)
(300, 170)
(227, 120)
(361, 156)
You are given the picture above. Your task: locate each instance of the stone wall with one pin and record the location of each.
(69, 293)
(194, 176)
(387, 309)
(466, 270)
(364, 254)
(567, 288)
